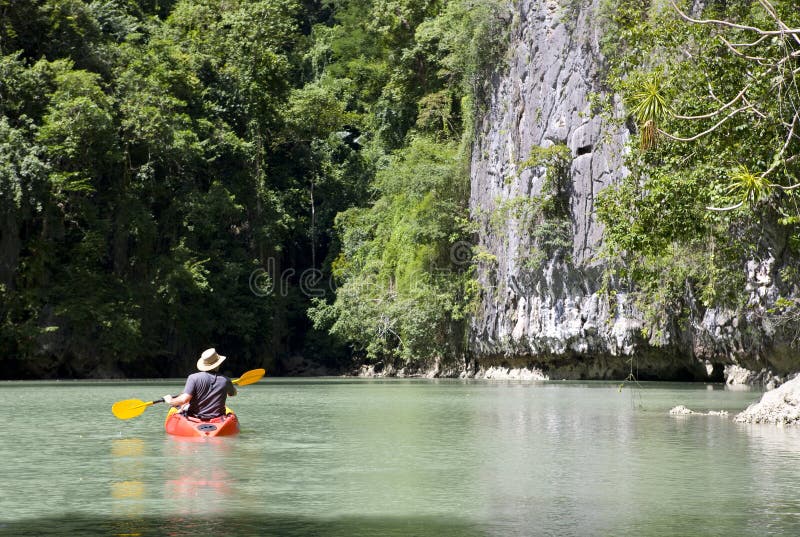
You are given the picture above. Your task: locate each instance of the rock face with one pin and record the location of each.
(780, 406)
(548, 311)
(541, 305)
(737, 375)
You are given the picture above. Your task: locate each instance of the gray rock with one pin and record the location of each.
(739, 376)
(780, 406)
(506, 373)
(681, 410)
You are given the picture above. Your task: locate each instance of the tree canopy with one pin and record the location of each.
(164, 162)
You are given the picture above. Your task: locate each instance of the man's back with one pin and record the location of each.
(209, 393)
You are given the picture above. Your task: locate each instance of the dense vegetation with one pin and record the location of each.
(714, 169)
(405, 283)
(171, 172)
(283, 178)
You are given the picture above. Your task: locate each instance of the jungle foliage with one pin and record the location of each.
(404, 269)
(714, 98)
(156, 155)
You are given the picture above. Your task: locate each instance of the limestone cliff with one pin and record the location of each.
(541, 303)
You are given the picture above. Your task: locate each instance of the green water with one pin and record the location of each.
(399, 457)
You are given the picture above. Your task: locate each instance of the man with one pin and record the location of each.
(206, 391)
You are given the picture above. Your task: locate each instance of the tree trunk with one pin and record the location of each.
(9, 245)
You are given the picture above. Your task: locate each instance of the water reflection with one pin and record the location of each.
(775, 442)
(774, 455)
(128, 490)
(197, 481)
(185, 478)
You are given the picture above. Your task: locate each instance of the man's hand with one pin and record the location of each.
(182, 399)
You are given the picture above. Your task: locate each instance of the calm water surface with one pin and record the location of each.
(398, 457)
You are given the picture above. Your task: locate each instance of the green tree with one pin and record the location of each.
(712, 183)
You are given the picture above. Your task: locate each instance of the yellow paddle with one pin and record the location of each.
(251, 377)
(130, 408)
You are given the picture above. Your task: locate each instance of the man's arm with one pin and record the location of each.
(181, 400)
(185, 397)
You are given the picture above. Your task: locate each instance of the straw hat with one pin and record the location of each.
(209, 360)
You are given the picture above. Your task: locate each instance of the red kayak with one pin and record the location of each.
(179, 425)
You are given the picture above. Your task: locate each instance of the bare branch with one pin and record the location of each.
(684, 16)
(732, 48)
(754, 43)
(712, 129)
(774, 14)
(711, 92)
(786, 188)
(731, 208)
(718, 110)
(778, 157)
(755, 110)
(783, 79)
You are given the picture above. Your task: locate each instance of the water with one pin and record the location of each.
(398, 457)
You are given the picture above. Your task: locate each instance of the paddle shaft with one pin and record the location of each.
(156, 401)
(131, 408)
(159, 400)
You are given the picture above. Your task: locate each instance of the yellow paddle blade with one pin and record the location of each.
(129, 408)
(252, 376)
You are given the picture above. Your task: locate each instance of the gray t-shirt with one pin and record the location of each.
(209, 392)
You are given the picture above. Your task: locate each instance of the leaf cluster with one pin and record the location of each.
(701, 198)
(409, 76)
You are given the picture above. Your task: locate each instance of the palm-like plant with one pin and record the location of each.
(649, 108)
(746, 187)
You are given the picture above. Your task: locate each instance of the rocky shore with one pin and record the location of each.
(512, 370)
(736, 375)
(519, 370)
(780, 406)
(438, 370)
